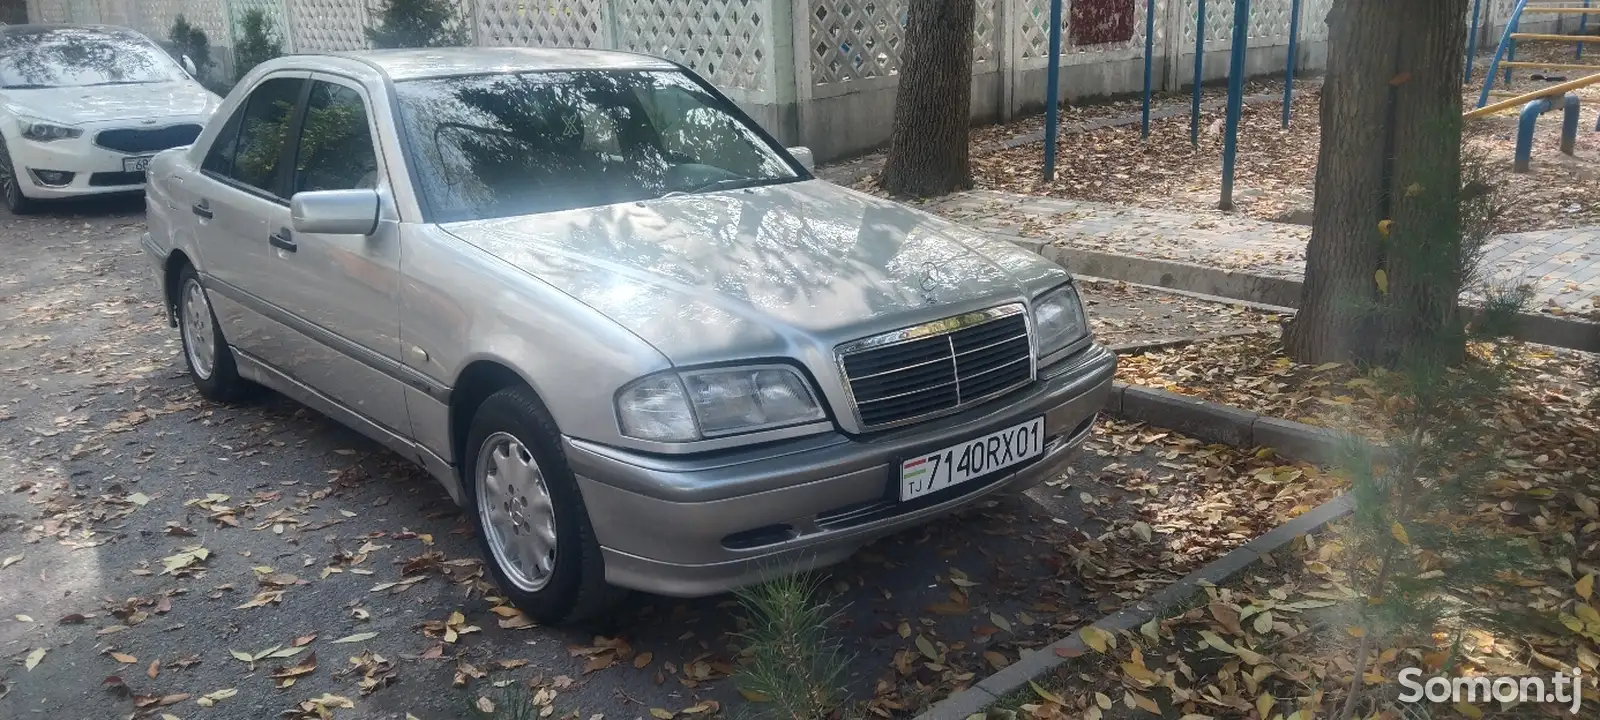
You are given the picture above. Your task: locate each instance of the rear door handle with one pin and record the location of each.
(282, 240)
(203, 209)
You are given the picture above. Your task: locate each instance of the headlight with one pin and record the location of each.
(680, 407)
(47, 132)
(1057, 320)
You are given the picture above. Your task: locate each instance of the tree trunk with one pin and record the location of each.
(928, 152)
(1384, 264)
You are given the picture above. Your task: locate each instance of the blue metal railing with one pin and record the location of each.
(1500, 51)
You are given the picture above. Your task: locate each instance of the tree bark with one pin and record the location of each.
(928, 153)
(1384, 264)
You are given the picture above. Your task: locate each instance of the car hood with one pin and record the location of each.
(99, 103)
(775, 270)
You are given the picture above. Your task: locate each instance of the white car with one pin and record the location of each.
(83, 109)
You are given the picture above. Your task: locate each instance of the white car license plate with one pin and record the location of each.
(967, 460)
(135, 164)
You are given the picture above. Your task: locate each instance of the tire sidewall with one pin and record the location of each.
(513, 412)
(224, 384)
(15, 200)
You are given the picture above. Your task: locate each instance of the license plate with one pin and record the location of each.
(974, 458)
(135, 164)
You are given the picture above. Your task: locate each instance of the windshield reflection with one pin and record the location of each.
(513, 144)
(37, 58)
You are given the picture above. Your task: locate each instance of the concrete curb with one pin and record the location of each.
(1218, 423)
(975, 699)
(1168, 343)
(1280, 291)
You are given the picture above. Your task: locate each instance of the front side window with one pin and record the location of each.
(81, 57)
(263, 127)
(513, 144)
(335, 150)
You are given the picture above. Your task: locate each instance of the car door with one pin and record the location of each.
(236, 202)
(340, 292)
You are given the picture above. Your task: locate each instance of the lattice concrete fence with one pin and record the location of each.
(817, 72)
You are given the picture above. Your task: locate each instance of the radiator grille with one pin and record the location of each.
(131, 140)
(920, 372)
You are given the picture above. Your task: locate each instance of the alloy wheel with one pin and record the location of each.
(516, 511)
(199, 338)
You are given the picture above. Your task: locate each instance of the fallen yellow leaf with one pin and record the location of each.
(1095, 638)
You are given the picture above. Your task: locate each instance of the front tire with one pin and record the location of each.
(205, 351)
(533, 527)
(11, 185)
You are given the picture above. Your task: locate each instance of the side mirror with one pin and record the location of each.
(188, 66)
(335, 212)
(803, 155)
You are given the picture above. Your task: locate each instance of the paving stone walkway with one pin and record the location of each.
(1561, 266)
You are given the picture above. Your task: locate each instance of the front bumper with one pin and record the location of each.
(95, 170)
(699, 526)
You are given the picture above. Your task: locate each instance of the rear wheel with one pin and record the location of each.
(11, 184)
(532, 525)
(206, 352)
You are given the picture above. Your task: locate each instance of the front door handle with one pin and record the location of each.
(203, 209)
(282, 240)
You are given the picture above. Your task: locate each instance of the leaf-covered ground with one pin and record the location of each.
(1276, 166)
(1123, 314)
(161, 555)
(1278, 639)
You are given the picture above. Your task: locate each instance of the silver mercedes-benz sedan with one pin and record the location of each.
(623, 326)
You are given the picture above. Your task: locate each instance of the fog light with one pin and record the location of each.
(51, 178)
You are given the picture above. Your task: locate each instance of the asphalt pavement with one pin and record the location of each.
(163, 555)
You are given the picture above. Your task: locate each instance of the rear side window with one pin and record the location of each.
(263, 128)
(335, 150)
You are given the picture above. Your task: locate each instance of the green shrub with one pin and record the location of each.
(257, 42)
(417, 23)
(186, 39)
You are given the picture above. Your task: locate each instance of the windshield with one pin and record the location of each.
(80, 57)
(513, 144)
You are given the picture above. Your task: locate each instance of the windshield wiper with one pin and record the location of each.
(25, 86)
(737, 183)
(120, 82)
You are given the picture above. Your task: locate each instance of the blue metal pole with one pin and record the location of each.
(1199, 65)
(1230, 141)
(1472, 39)
(1288, 73)
(1500, 51)
(1149, 60)
(1511, 50)
(1583, 28)
(1052, 93)
(1569, 123)
(1511, 54)
(1525, 123)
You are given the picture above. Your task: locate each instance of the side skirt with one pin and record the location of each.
(255, 370)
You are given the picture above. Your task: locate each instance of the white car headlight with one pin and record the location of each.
(1057, 320)
(41, 131)
(697, 404)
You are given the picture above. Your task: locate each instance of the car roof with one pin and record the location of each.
(413, 64)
